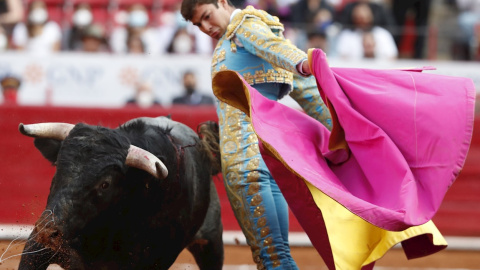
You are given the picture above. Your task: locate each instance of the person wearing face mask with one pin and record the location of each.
(10, 86)
(82, 18)
(137, 25)
(39, 35)
(144, 96)
(182, 43)
(176, 35)
(191, 96)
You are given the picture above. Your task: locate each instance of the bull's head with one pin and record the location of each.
(89, 162)
(136, 157)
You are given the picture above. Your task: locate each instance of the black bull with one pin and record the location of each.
(127, 198)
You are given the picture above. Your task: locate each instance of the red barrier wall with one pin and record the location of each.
(25, 175)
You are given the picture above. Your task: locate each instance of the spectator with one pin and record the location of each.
(304, 13)
(191, 96)
(239, 3)
(368, 44)
(135, 45)
(10, 86)
(421, 9)
(39, 35)
(381, 16)
(93, 39)
(270, 6)
(309, 16)
(11, 13)
(350, 42)
(137, 25)
(173, 25)
(182, 42)
(82, 17)
(144, 96)
(322, 20)
(317, 39)
(469, 22)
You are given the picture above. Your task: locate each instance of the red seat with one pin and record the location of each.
(105, 3)
(47, 2)
(99, 8)
(55, 13)
(152, 6)
(124, 4)
(54, 9)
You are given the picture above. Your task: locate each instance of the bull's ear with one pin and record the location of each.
(49, 148)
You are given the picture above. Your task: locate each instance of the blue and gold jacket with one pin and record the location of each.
(254, 46)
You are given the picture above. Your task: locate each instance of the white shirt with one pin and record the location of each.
(350, 44)
(41, 44)
(118, 41)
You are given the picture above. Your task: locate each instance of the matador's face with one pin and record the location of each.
(212, 20)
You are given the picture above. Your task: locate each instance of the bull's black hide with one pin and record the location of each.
(104, 214)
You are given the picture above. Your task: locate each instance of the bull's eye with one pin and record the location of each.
(105, 185)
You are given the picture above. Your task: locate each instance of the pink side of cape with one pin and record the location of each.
(408, 134)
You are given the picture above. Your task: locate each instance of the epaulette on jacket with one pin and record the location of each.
(250, 12)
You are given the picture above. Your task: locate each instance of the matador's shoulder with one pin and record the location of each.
(250, 12)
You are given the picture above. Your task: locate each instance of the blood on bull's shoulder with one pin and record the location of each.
(127, 198)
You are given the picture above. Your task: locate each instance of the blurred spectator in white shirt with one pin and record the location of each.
(39, 35)
(182, 43)
(350, 42)
(172, 24)
(144, 96)
(135, 45)
(137, 25)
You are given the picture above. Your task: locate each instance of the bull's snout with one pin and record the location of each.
(47, 234)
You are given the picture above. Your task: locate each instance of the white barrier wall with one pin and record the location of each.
(106, 80)
(100, 79)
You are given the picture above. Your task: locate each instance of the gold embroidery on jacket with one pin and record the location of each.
(250, 11)
(241, 167)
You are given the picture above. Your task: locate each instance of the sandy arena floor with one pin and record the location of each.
(239, 258)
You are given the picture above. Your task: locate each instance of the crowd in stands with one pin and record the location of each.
(344, 29)
(349, 29)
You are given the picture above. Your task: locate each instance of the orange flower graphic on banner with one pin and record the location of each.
(34, 73)
(128, 75)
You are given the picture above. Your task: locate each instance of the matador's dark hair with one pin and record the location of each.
(188, 7)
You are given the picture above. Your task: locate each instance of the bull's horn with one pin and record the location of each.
(57, 131)
(144, 160)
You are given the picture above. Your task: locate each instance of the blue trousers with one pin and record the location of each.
(256, 200)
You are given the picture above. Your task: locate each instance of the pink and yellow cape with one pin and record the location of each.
(399, 140)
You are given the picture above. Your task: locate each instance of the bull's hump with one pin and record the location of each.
(178, 130)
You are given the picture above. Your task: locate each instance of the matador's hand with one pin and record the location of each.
(306, 68)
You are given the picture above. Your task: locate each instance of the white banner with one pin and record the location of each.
(100, 79)
(107, 80)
